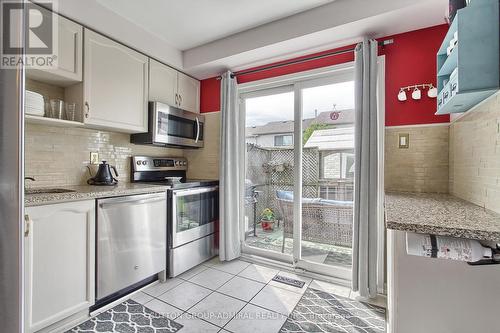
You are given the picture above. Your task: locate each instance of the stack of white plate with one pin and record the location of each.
(34, 104)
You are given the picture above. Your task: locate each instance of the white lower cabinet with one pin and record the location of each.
(59, 262)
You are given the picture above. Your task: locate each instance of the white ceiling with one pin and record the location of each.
(331, 26)
(185, 24)
(205, 37)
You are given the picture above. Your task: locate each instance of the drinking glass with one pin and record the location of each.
(70, 111)
(57, 107)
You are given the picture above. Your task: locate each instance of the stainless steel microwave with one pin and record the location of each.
(171, 126)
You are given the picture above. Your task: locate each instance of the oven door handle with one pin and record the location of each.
(182, 193)
(197, 130)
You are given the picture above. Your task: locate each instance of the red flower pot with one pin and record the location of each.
(266, 225)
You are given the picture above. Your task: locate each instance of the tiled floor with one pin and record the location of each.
(236, 297)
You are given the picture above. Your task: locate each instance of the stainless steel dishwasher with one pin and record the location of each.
(131, 242)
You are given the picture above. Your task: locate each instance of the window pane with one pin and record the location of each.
(331, 165)
(328, 139)
(268, 223)
(324, 98)
(348, 165)
(287, 140)
(283, 140)
(269, 119)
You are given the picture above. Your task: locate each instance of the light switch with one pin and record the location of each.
(94, 157)
(404, 140)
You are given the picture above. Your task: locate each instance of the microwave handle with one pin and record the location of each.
(197, 130)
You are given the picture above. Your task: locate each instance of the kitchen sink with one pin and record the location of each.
(46, 190)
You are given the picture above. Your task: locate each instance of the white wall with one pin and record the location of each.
(440, 296)
(268, 140)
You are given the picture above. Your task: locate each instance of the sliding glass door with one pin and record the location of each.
(269, 146)
(327, 157)
(299, 172)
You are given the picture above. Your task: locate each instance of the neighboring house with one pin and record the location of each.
(336, 147)
(279, 134)
(276, 134)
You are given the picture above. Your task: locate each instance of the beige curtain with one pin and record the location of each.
(364, 268)
(231, 170)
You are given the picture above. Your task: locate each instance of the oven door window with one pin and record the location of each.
(195, 210)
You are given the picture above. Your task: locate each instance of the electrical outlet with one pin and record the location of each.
(404, 140)
(94, 158)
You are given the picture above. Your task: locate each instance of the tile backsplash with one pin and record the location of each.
(475, 155)
(204, 163)
(58, 156)
(423, 166)
(48, 91)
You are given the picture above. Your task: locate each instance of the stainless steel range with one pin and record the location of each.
(193, 210)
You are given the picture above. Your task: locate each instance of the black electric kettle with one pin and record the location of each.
(103, 175)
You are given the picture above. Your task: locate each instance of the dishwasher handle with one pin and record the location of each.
(133, 200)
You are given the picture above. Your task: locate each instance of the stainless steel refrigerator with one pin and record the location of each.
(11, 185)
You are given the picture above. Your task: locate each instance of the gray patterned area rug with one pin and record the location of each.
(128, 317)
(318, 311)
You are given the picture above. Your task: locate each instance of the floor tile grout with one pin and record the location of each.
(221, 293)
(261, 307)
(246, 303)
(182, 280)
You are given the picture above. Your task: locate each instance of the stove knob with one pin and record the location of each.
(184, 163)
(144, 162)
(138, 162)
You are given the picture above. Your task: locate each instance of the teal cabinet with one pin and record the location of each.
(468, 59)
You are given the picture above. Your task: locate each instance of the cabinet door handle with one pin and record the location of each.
(180, 100)
(87, 112)
(27, 222)
(176, 99)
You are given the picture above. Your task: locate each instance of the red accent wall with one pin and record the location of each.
(210, 95)
(300, 67)
(410, 60)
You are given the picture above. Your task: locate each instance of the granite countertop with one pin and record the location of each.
(84, 192)
(440, 214)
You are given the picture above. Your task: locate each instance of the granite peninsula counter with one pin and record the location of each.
(440, 214)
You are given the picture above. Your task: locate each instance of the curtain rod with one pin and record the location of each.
(302, 60)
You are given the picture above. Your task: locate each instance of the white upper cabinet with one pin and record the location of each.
(59, 262)
(115, 85)
(169, 86)
(188, 93)
(162, 83)
(69, 55)
(70, 49)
